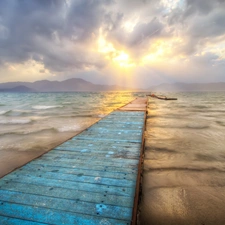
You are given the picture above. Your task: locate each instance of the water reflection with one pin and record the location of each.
(184, 167)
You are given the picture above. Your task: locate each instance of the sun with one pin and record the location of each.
(116, 56)
(123, 60)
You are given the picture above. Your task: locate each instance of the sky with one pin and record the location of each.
(135, 43)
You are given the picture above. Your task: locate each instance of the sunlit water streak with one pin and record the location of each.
(184, 168)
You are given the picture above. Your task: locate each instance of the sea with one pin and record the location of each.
(183, 180)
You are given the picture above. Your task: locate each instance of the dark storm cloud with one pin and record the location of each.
(199, 23)
(143, 31)
(211, 26)
(202, 6)
(23, 20)
(84, 17)
(145, 16)
(39, 29)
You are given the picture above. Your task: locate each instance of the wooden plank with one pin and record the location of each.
(76, 178)
(77, 171)
(67, 205)
(85, 166)
(100, 144)
(57, 192)
(51, 216)
(95, 188)
(94, 157)
(100, 154)
(132, 109)
(120, 163)
(107, 139)
(14, 221)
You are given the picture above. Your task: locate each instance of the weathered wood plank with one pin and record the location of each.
(102, 155)
(108, 138)
(74, 206)
(93, 162)
(86, 166)
(93, 157)
(14, 221)
(77, 171)
(95, 188)
(50, 216)
(57, 192)
(75, 178)
(99, 146)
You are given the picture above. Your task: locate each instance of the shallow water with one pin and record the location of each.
(33, 123)
(184, 166)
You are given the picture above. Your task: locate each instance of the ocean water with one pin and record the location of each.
(33, 123)
(184, 166)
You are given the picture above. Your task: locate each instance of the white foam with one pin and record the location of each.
(101, 115)
(46, 106)
(3, 112)
(15, 121)
(68, 128)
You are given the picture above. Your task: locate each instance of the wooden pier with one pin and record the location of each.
(92, 178)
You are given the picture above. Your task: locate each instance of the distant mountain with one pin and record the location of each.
(78, 84)
(188, 87)
(70, 85)
(20, 88)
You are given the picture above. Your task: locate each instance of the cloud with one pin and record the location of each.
(50, 32)
(61, 36)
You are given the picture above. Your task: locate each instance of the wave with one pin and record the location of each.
(177, 126)
(201, 107)
(46, 106)
(194, 169)
(68, 128)
(197, 126)
(99, 115)
(4, 112)
(15, 121)
(29, 132)
(221, 123)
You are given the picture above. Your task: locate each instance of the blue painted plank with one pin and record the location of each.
(140, 123)
(106, 139)
(95, 188)
(78, 172)
(103, 130)
(86, 166)
(74, 206)
(51, 216)
(93, 158)
(14, 221)
(92, 162)
(57, 192)
(99, 143)
(76, 178)
(99, 147)
(91, 152)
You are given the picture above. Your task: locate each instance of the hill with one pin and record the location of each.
(70, 85)
(189, 87)
(20, 88)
